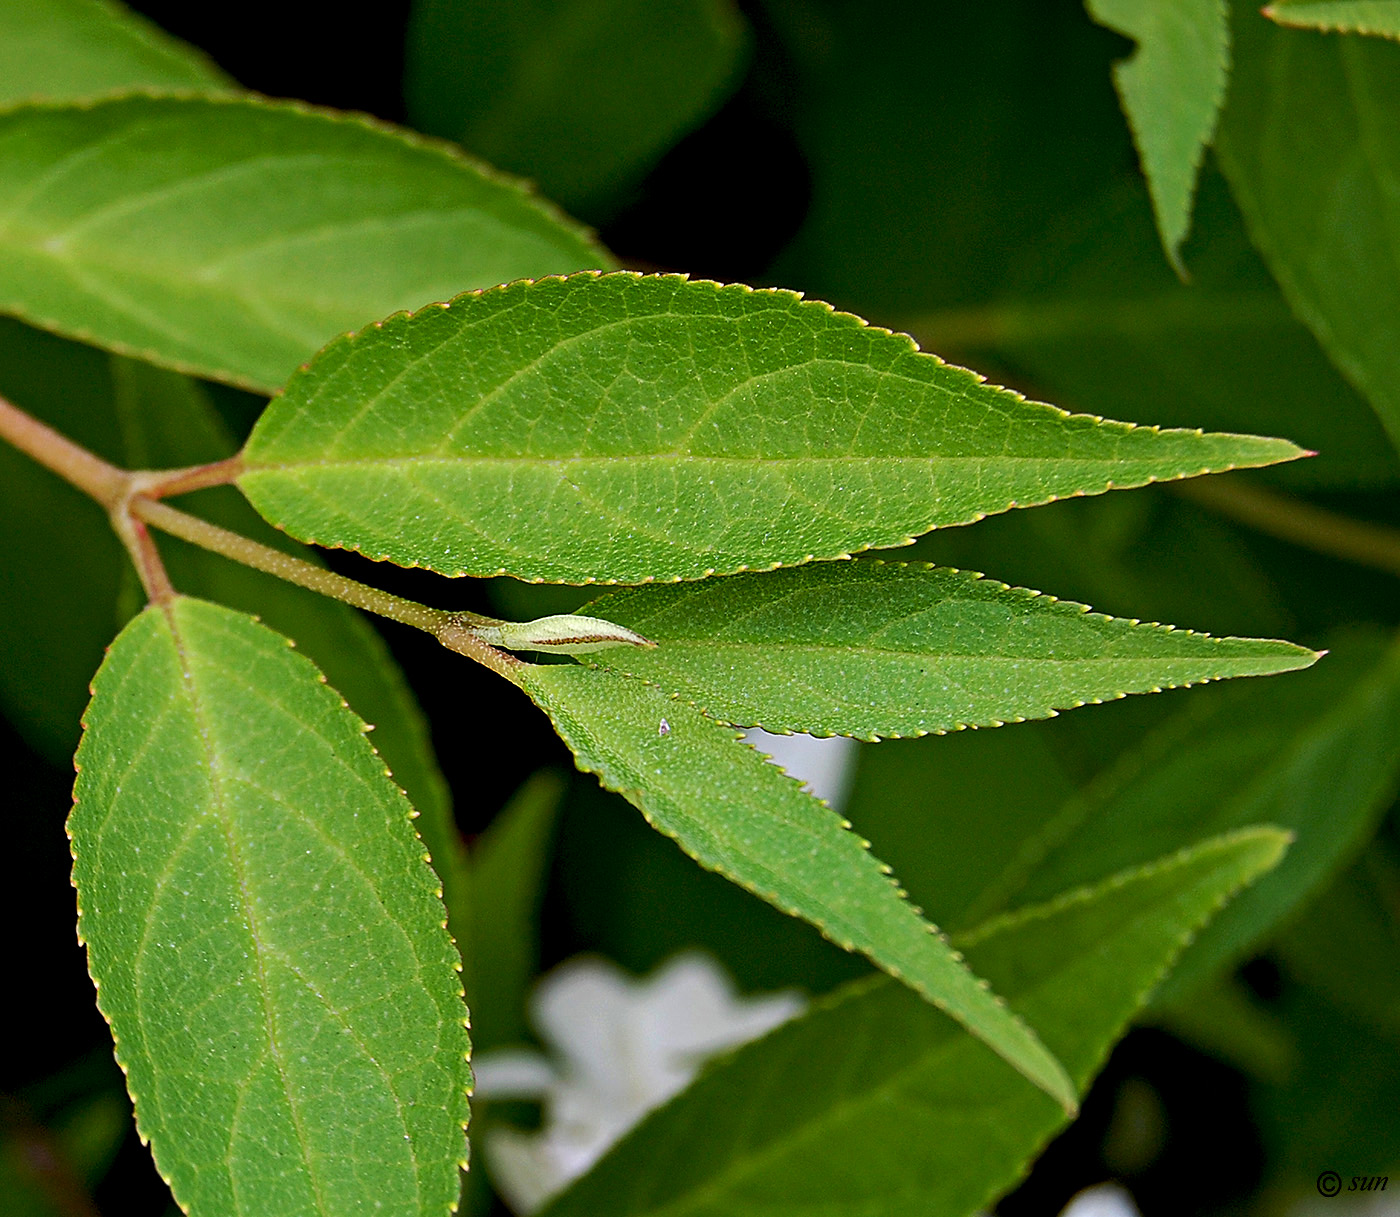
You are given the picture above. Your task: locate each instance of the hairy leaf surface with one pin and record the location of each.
(734, 813)
(1311, 144)
(60, 49)
(1172, 88)
(232, 237)
(1317, 754)
(264, 933)
(1343, 16)
(625, 428)
(929, 1123)
(581, 97)
(881, 649)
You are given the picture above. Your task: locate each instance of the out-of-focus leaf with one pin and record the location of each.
(734, 813)
(1336, 1110)
(1346, 943)
(1317, 754)
(873, 649)
(1222, 1019)
(1310, 141)
(1127, 554)
(233, 236)
(581, 96)
(61, 566)
(265, 935)
(1096, 322)
(624, 428)
(500, 932)
(1344, 16)
(1172, 88)
(950, 813)
(933, 171)
(61, 49)
(928, 1122)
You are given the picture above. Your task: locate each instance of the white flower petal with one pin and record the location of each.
(510, 1073)
(1104, 1200)
(824, 766)
(623, 1047)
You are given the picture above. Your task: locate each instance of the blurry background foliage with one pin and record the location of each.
(963, 171)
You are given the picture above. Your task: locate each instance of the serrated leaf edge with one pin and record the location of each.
(410, 315)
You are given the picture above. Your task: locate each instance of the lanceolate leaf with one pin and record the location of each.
(1344, 16)
(873, 649)
(625, 428)
(734, 813)
(233, 237)
(1310, 141)
(871, 1104)
(1172, 88)
(58, 49)
(263, 930)
(580, 96)
(1317, 754)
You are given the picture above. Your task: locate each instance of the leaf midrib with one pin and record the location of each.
(225, 820)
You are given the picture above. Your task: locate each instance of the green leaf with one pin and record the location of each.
(1310, 142)
(734, 813)
(625, 428)
(232, 237)
(266, 940)
(581, 96)
(1172, 88)
(949, 812)
(876, 649)
(1016, 126)
(1340, 16)
(872, 1104)
(61, 49)
(1317, 754)
(500, 931)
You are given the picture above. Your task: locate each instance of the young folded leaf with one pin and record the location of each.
(949, 1125)
(623, 428)
(734, 813)
(232, 236)
(876, 649)
(264, 932)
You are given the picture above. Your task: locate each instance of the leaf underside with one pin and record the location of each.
(1172, 88)
(266, 938)
(944, 1124)
(232, 237)
(734, 813)
(874, 649)
(623, 428)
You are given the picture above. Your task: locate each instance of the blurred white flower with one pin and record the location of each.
(824, 766)
(621, 1047)
(1102, 1200)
